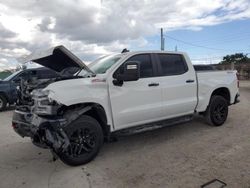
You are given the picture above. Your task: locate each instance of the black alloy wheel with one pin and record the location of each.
(217, 111)
(220, 112)
(82, 141)
(86, 138)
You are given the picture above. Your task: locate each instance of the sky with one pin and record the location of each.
(205, 29)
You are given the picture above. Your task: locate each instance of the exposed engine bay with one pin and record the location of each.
(25, 101)
(33, 99)
(27, 85)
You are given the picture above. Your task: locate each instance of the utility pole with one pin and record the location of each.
(176, 48)
(162, 40)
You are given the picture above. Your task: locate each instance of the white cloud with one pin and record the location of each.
(4, 64)
(96, 27)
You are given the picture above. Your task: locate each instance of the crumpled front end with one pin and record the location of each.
(21, 123)
(46, 121)
(42, 123)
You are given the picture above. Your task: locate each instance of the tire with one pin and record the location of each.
(3, 103)
(217, 111)
(86, 139)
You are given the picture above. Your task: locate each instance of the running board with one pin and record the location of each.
(154, 125)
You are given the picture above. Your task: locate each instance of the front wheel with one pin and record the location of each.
(86, 137)
(217, 111)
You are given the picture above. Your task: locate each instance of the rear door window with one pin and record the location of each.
(172, 64)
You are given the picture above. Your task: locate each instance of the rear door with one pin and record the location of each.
(178, 84)
(137, 102)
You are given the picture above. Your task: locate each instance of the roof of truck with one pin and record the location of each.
(152, 51)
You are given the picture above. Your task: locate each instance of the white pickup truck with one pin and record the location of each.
(117, 94)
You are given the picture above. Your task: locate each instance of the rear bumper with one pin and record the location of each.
(237, 98)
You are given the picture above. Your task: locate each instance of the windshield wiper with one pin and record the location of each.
(88, 73)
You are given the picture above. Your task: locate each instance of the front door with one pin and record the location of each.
(137, 102)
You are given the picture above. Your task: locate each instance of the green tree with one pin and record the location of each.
(235, 58)
(4, 74)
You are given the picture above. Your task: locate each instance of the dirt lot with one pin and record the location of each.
(186, 155)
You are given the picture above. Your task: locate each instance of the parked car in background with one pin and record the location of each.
(10, 85)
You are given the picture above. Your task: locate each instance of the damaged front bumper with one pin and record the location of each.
(45, 132)
(21, 123)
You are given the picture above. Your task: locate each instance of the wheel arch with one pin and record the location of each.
(222, 91)
(94, 110)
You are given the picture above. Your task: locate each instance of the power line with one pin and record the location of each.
(191, 44)
(225, 38)
(199, 46)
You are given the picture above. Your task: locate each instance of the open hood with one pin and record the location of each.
(57, 58)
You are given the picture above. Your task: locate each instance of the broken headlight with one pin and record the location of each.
(43, 103)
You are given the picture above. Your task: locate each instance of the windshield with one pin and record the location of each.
(101, 65)
(11, 76)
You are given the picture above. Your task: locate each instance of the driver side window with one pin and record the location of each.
(146, 67)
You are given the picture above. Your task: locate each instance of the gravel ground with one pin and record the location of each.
(186, 155)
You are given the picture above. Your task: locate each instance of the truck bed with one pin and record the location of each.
(208, 81)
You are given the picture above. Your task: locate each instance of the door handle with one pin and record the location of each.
(189, 81)
(153, 84)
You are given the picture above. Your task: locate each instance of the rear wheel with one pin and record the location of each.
(86, 138)
(217, 111)
(3, 103)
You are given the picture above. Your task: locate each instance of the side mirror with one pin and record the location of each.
(131, 72)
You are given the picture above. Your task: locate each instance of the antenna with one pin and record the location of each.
(125, 50)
